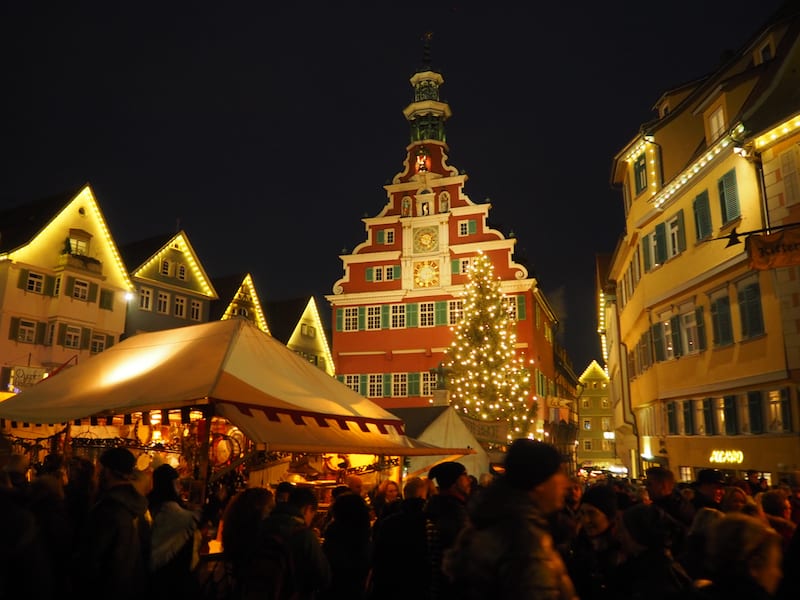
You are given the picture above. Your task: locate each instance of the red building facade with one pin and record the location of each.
(400, 293)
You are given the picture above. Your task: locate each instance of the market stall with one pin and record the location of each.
(210, 397)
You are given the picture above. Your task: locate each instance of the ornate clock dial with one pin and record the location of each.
(426, 239)
(426, 273)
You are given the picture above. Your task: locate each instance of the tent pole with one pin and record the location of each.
(204, 466)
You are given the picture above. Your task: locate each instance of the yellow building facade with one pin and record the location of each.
(709, 342)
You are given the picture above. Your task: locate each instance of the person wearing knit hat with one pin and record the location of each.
(112, 548)
(506, 550)
(596, 551)
(446, 474)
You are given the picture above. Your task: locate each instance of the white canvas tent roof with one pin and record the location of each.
(442, 423)
(273, 395)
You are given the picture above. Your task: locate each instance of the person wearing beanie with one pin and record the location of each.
(446, 515)
(176, 537)
(596, 551)
(112, 550)
(507, 551)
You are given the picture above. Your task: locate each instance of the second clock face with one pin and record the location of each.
(426, 273)
(426, 239)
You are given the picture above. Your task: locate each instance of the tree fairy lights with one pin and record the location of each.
(486, 379)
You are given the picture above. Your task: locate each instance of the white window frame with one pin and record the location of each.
(464, 265)
(165, 268)
(51, 334)
(78, 246)
(388, 274)
(377, 274)
(350, 318)
(162, 303)
(427, 314)
(35, 282)
(145, 298)
(587, 445)
(26, 331)
(673, 227)
(195, 310)
(179, 307)
(97, 343)
(463, 228)
(72, 337)
(666, 329)
(428, 383)
(373, 315)
(510, 303)
(80, 290)
(375, 385)
(586, 403)
(181, 272)
(353, 382)
(397, 318)
(389, 237)
(57, 286)
(399, 385)
(455, 311)
(586, 425)
(689, 331)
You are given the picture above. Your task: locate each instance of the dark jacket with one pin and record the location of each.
(651, 575)
(591, 564)
(173, 551)
(446, 516)
(400, 567)
(112, 554)
(506, 552)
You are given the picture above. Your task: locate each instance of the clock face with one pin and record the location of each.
(426, 273)
(426, 239)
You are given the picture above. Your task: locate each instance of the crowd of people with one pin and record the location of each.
(528, 531)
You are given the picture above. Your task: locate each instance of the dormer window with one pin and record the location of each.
(165, 267)
(78, 242)
(182, 272)
(716, 124)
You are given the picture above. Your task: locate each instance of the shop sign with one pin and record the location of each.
(495, 431)
(781, 249)
(25, 377)
(734, 457)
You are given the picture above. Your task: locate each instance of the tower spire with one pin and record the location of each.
(427, 112)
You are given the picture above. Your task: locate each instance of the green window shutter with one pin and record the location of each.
(708, 417)
(396, 272)
(729, 410)
(92, 292)
(41, 329)
(658, 341)
(751, 315)
(754, 410)
(107, 299)
(339, 319)
(370, 274)
(681, 232)
(721, 320)
(385, 316)
(702, 216)
(49, 285)
(70, 287)
(13, 331)
(413, 384)
(109, 341)
(441, 313)
(362, 385)
(455, 267)
(646, 253)
(86, 335)
(521, 308)
(672, 419)
(661, 244)
(675, 330)
(362, 318)
(62, 333)
(22, 282)
(688, 418)
(729, 196)
(380, 236)
(340, 378)
(412, 314)
(472, 226)
(701, 328)
(387, 385)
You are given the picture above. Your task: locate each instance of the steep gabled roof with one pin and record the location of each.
(284, 315)
(20, 224)
(134, 254)
(226, 287)
(417, 419)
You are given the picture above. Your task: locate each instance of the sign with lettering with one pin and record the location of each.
(25, 377)
(735, 457)
(487, 431)
(770, 251)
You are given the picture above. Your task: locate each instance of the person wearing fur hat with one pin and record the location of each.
(446, 516)
(506, 550)
(597, 550)
(112, 550)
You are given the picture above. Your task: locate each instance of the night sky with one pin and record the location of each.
(266, 130)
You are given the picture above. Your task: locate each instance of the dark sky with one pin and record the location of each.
(267, 129)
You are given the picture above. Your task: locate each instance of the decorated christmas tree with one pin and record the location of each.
(486, 379)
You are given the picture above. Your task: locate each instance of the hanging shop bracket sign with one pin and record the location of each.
(773, 250)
